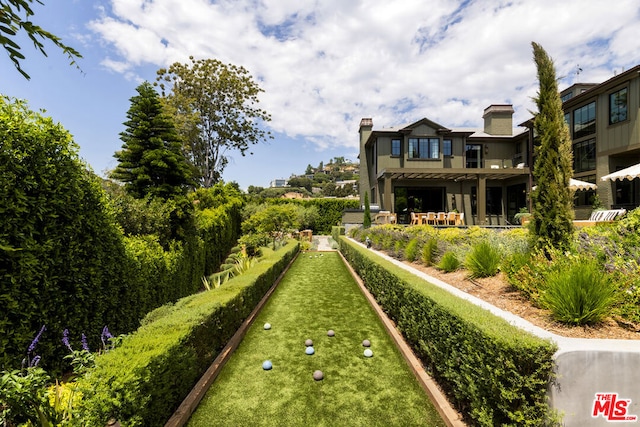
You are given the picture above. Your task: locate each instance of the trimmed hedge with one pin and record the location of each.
(142, 382)
(493, 372)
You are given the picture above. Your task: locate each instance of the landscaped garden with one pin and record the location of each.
(595, 283)
(317, 295)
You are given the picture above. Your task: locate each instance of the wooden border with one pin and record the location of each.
(181, 416)
(449, 415)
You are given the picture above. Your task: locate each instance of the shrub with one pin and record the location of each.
(449, 262)
(483, 260)
(494, 373)
(429, 250)
(579, 294)
(411, 250)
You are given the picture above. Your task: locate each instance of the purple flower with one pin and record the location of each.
(106, 336)
(32, 346)
(85, 346)
(34, 362)
(65, 339)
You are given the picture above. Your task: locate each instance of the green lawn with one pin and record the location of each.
(317, 294)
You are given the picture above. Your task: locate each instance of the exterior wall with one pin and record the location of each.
(587, 369)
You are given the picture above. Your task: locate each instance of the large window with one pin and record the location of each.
(473, 154)
(424, 148)
(447, 147)
(584, 120)
(395, 147)
(493, 203)
(584, 155)
(618, 106)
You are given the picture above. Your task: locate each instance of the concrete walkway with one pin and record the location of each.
(323, 243)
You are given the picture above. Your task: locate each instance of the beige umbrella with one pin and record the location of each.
(629, 173)
(576, 184)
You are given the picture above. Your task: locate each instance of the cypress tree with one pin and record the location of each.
(151, 160)
(552, 200)
(367, 211)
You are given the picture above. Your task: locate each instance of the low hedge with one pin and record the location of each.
(143, 381)
(493, 372)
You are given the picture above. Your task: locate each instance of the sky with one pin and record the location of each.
(323, 65)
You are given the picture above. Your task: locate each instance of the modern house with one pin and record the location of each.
(605, 128)
(427, 167)
(486, 173)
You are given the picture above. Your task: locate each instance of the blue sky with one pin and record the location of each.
(323, 65)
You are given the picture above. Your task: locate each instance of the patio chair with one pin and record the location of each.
(430, 218)
(415, 219)
(460, 219)
(451, 218)
(442, 218)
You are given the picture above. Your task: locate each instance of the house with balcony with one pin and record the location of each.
(605, 130)
(427, 167)
(487, 173)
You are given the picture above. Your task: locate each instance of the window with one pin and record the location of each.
(566, 97)
(473, 153)
(424, 148)
(447, 147)
(618, 106)
(584, 156)
(584, 120)
(493, 202)
(395, 148)
(567, 119)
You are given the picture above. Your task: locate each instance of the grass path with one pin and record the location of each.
(317, 294)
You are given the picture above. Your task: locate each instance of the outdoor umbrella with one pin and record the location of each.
(629, 173)
(576, 184)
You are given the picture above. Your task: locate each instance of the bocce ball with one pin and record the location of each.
(266, 365)
(308, 343)
(318, 375)
(366, 343)
(331, 333)
(309, 351)
(368, 353)
(267, 326)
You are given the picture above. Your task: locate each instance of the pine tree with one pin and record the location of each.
(552, 199)
(151, 159)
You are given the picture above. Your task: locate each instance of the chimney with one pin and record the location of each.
(366, 123)
(498, 119)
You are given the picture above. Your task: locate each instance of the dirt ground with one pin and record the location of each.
(497, 291)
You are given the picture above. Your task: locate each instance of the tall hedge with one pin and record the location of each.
(60, 250)
(64, 260)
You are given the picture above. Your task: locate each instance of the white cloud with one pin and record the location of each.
(324, 65)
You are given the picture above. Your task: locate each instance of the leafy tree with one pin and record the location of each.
(301, 182)
(215, 106)
(151, 160)
(552, 199)
(309, 170)
(11, 23)
(274, 220)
